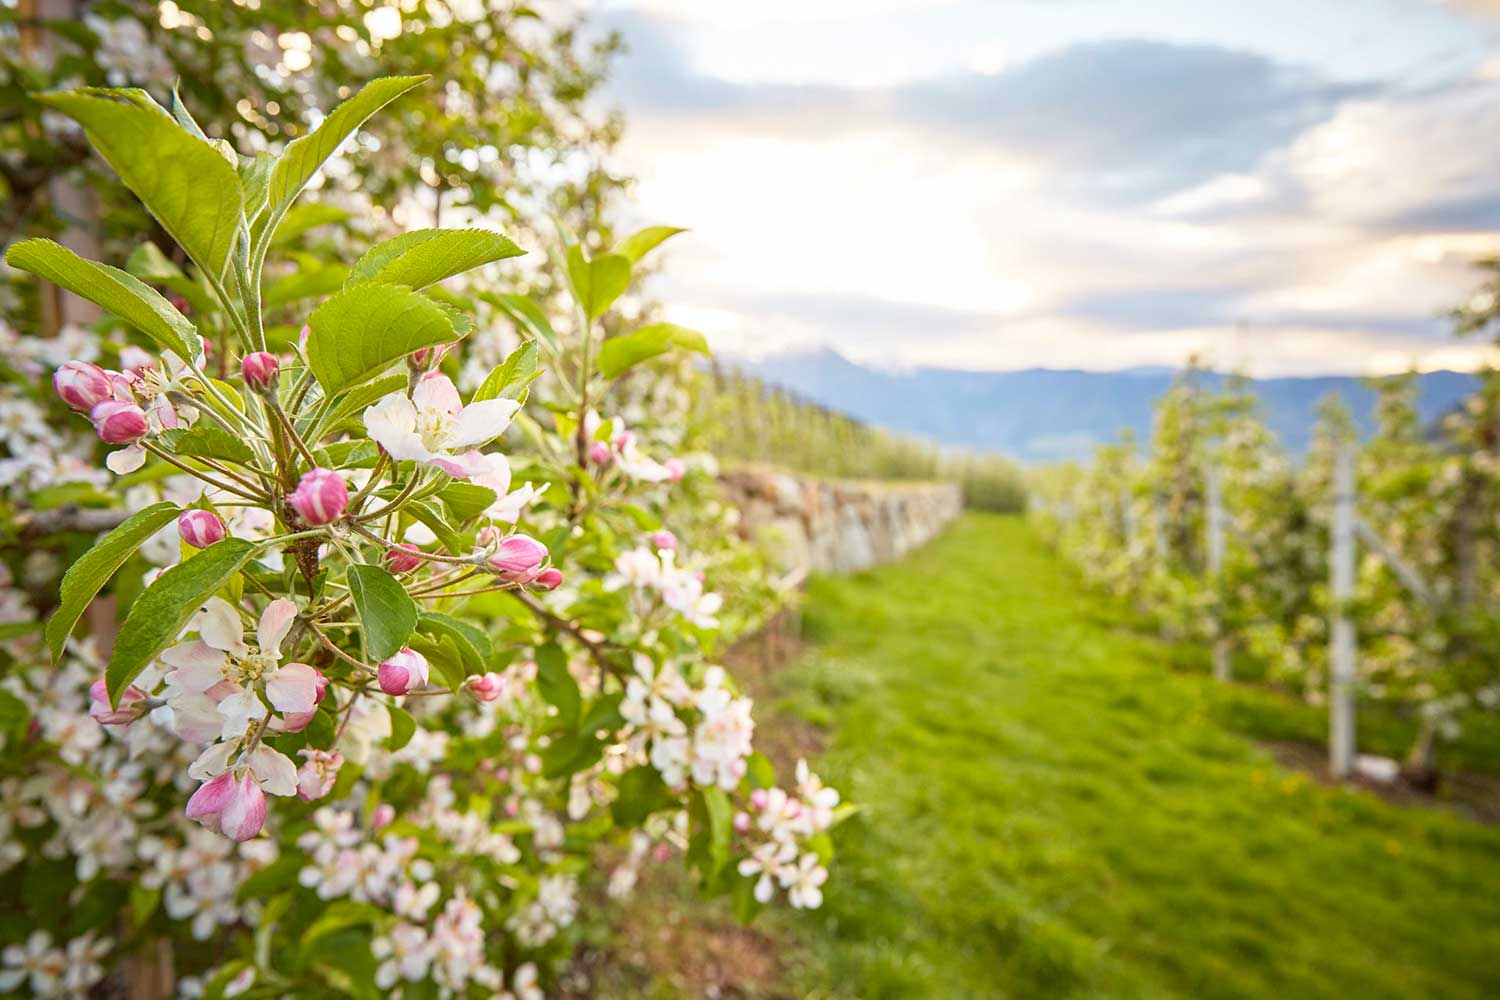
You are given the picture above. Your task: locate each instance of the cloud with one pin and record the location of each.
(1132, 117)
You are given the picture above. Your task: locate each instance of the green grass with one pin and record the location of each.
(1051, 810)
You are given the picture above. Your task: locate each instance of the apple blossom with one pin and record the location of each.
(493, 472)
(117, 422)
(82, 385)
(201, 528)
(132, 705)
(518, 558)
(316, 778)
(432, 425)
(664, 540)
(403, 557)
(261, 370)
(600, 453)
(549, 579)
(485, 687)
(402, 672)
(321, 496)
(230, 804)
(676, 469)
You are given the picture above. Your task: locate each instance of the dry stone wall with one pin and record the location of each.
(837, 526)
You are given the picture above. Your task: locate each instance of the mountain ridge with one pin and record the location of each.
(1053, 414)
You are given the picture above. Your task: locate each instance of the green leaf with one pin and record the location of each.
(510, 378)
(720, 824)
(425, 513)
(335, 917)
(91, 571)
(268, 881)
(620, 353)
(571, 753)
(159, 614)
(304, 156)
(642, 792)
(597, 283)
(444, 658)
(387, 614)
(362, 331)
(556, 685)
(305, 283)
(207, 440)
(424, 256)
(638, 244)
(473, 645)
(743, 900)
(148, 263)
(403, 727)
(300, 219)
(255, 177)
(113, 290)
(183, 181)
(466, 500)
(760, 772)
(527, 315)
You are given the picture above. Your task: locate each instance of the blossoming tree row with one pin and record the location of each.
(1426, 602)
(409, 656)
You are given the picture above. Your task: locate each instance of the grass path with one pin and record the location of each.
(1051, 811)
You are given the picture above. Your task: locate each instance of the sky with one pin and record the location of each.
(1282, 186)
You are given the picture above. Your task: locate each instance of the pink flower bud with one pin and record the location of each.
(549, 579)
(261, 370)
(623, 440)
(82, 386)
(519, 558)
(180, 304)
(403, 672)
(664, 540)
(201, 528)
(320, 497)
(675, 469)
(383, 816)
(759, 799)
(662, 853)
(118, 423)
(132, 705)
(316, 778)
(599, 452)
(424, 358)
(302, 336)
(400, 559)
(233, 806)
(741, 822)
(485, 687)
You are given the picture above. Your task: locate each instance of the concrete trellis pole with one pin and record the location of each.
(1341, 650)
(1215, 547)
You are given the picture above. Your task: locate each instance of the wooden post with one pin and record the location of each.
(1341, 651)
(1214, 544)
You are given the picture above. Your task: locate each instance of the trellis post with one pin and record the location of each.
(1215, 546)
(1341, 650)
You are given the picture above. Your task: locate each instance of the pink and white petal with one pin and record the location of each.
(293, 688)
(483, 421)
(435, 391)
(213, 761)
(218, 625)
(507, 508)
(451, 466)
(392, 424)
(239, 712)
(126, 460)
(275, 622)
(198, 666)
(273, 770)
(495, 474)
(196, 718)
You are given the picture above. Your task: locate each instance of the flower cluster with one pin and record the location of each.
(363, 685)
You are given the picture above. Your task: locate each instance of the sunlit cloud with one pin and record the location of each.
(1043, 191)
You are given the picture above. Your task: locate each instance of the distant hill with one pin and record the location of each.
(1040, 414)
